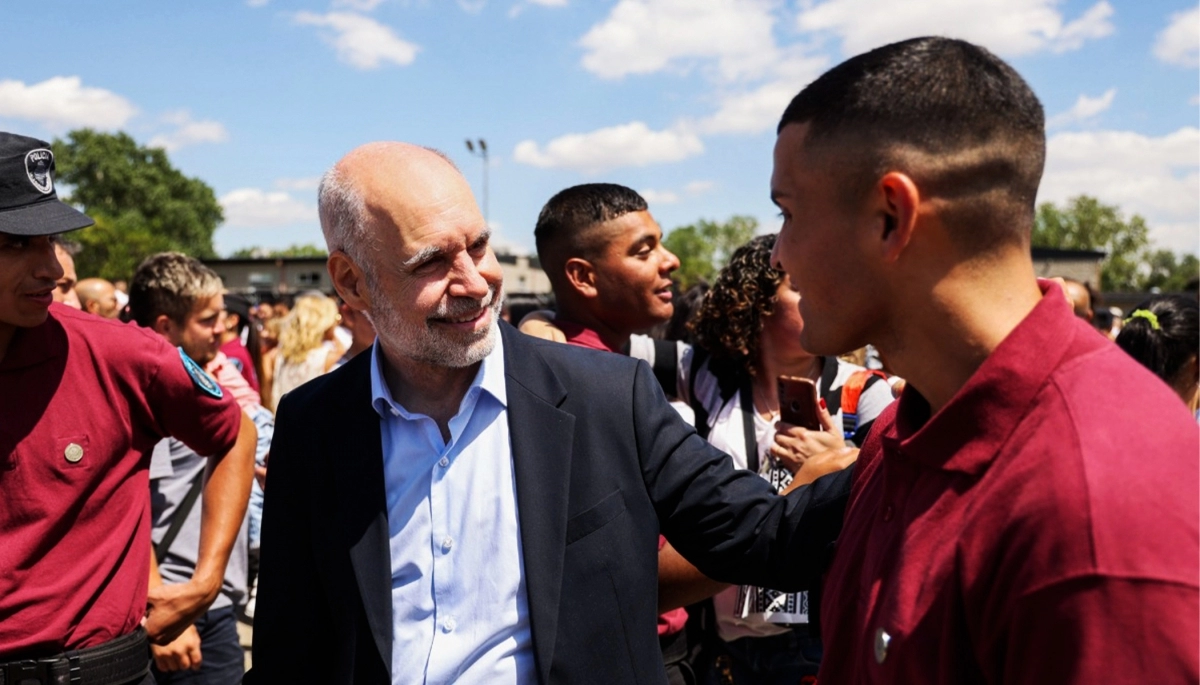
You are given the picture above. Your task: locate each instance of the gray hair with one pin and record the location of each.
(344, 219)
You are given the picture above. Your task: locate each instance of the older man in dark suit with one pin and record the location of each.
(466, 504)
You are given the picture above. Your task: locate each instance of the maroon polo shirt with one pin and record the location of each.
(234, 349)
(1042, 527)
(84, 400)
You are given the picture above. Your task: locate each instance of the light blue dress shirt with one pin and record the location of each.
(460, 613)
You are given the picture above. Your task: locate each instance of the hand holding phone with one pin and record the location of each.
(798, 402)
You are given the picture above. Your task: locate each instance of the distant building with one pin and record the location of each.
(259, 276)
(1077, 265)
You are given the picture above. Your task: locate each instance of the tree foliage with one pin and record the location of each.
(1085, 223)
(306, 250)
(705, 246)
(140, 202)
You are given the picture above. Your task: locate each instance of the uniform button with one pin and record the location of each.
(443, 462)
(395, 411)
(449, 625)
(888, 512)
(73, 453)
(881, 645)
(447, 544)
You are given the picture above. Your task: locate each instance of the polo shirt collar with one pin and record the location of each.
(32, 346)
(968, 432)
(489, 379)
(582, 336)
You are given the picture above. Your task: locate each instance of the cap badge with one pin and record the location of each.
(73, 453)
(37, 167)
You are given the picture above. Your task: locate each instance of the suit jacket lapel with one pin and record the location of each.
(541, 436)
(361, 503)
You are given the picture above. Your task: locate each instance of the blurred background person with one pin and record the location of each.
(98, 296)
(745, 336)
(64, 287)
(240, 341)
(362, 332)
(1163, 334)
(307, 346)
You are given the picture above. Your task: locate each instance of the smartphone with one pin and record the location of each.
(798, 402)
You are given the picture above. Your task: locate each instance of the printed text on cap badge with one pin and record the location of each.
(37, 167)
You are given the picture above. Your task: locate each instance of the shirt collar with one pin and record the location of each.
(489, 379)
(968, 432)
(32, 346)
(578, 334)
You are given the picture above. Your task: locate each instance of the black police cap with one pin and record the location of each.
(28, 203)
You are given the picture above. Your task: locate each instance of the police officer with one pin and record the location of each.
(84, 400)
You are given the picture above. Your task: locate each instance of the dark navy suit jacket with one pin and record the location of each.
(602, 465)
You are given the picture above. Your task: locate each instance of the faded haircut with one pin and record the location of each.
(566, 226)
(958, 120)
(170, 283)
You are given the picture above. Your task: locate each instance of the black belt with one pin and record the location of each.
(113, 663)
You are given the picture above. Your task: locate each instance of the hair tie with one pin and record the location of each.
(1147, 315)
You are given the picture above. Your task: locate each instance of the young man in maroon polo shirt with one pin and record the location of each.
(1027, 512)
(85, 400)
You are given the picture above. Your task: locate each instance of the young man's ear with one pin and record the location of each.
(349, 280)
(164, 326)
(900, 200)
(581, 274)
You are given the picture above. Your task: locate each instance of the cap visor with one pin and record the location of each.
(43, 218)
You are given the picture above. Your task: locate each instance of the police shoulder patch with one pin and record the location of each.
(202, 380)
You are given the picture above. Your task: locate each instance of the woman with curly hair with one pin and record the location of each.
(747, 335)
(307, 347)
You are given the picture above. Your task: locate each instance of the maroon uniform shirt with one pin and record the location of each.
(84, 400)
(1041, 528)
(234, 349)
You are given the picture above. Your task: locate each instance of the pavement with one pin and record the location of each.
(245, 633)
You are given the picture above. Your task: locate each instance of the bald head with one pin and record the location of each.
(385, 185)
(97, 296)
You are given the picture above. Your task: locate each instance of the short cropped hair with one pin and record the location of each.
(170, 283)
(565, 225)
(957, 119)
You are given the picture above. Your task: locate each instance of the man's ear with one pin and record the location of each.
(349, 280)
(899, 199)
(581, 274)
(164, 326)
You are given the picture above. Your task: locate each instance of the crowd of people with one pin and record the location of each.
(394, 486)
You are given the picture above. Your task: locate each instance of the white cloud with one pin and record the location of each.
(1009, 27)
(300, 184)
(1084, 108)
(63, 102)
(257, 3)
(359, 5)
(632, 144)
(188, 132)
(659, 197)
(699, 187)
(1179, 43)
(1156, 177)
(255, 208)
(758, 109)
(360, 41)
(1195, 100)
(646, 36)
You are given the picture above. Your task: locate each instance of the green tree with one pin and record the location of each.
(1169, 272)
(305, 250)
(1085, 223)
(705, 246)
(141, 203)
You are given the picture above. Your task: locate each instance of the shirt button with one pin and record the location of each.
(881, 645)
(395, 411)
(888, 512)
(443, 462)
(447, 544)
(449, 625)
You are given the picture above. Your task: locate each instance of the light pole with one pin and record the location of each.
(482, 152)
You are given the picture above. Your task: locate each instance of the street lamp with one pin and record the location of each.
(482, 152)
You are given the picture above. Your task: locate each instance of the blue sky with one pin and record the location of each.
(675, 98)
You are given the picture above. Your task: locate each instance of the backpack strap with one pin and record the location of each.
(699, 356)
(180, 517)
(666, 366)
(746, 399)
(852, 391)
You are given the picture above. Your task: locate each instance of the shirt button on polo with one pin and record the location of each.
(449, 625)
(888, 512)
(443, 462)
(395, 411)
(447, 544)
(881, 645)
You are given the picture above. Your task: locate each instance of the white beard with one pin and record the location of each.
(427, 344)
